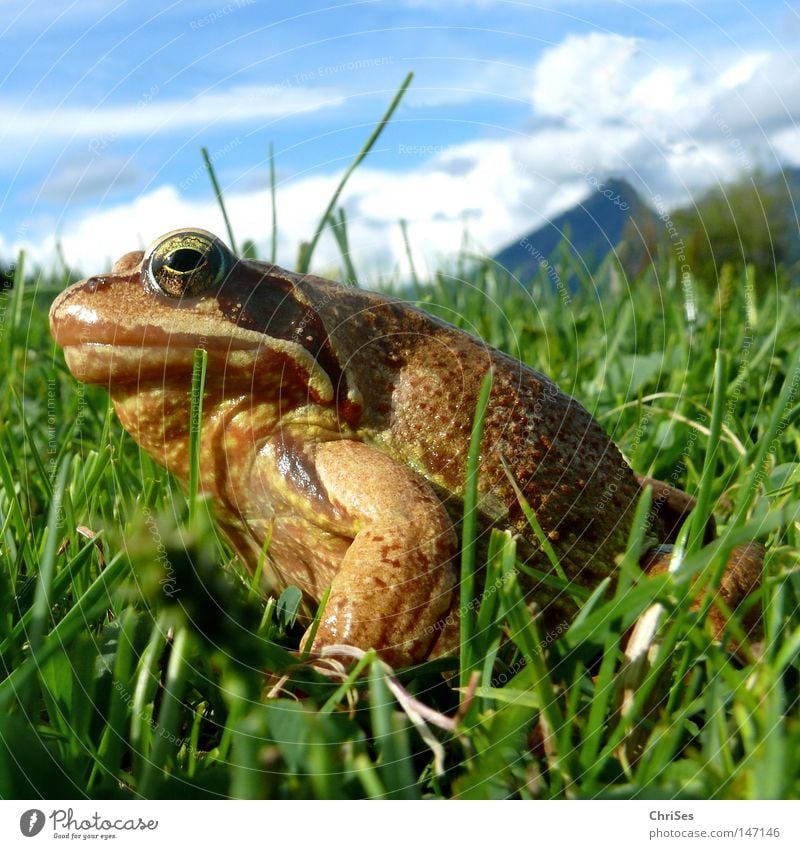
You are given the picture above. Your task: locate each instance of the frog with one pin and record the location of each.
(334, 440)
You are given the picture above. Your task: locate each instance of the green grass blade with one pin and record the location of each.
(702, 510)
(62, 582)
(90, 605)
(33, 448)
(312, 631)
(112, 743)
(143, 695)
(390, 729)
(469, 660)
(166, 731)
(409, 255)
(524, 630)
(41, 603)
(218, 192)
(537, 529)
(14, 312)
(772, 432)
(273, 250)
(195, 426)
(339, 228)
(304, 261)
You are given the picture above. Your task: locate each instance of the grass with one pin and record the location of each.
(137, 661)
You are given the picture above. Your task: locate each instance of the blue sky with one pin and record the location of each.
(516, 110)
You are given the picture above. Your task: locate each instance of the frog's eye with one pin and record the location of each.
(187, 262)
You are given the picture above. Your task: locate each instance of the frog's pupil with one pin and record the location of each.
(183, 260)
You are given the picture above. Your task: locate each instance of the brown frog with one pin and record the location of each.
(335, 430)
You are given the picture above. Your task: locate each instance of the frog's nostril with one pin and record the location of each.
(95, 283)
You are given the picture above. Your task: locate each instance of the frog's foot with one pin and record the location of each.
(741, 577)
(395, 584)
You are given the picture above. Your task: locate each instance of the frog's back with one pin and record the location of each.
(574, 478)
(419, 378)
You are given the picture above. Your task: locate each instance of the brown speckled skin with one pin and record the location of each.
(337, 421)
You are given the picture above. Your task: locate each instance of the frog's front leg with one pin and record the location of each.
(396, 580)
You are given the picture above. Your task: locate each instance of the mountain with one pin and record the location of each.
(612, 214)
(752, 219)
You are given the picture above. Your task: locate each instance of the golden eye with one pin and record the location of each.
(187, 262)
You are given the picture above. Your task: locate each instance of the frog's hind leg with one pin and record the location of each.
(742, 576)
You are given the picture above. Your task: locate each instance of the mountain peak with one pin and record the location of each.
(594, 227)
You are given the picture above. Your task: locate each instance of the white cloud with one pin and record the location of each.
(586, 78)
(786, 144)
(673, 121)
(614, 108)
(605, 79)
(742, 71)
(151, 115)
(504, 191)
(432, 202)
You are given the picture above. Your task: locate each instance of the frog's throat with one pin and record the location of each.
(232, 431)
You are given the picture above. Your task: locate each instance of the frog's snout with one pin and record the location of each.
(56, 312)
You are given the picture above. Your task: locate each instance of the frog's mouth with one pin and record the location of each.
(102, 363)
(107, 342)
(119, 361)
(121, 350)
(109, 355)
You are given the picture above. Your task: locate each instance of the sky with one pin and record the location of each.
(517, 110)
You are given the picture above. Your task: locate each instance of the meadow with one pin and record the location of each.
(120, 678)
